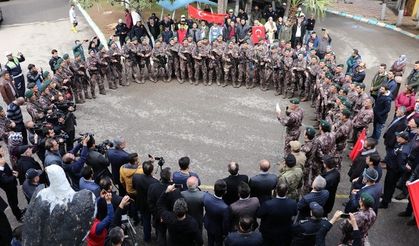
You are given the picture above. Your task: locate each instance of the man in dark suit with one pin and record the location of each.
(233, 181)
(245, 206)
(398, 124)
(359, 164)
(245, 236)
(261, 185)
(332, 177)
(318, 194)
(276, 218)
(118, 157)
(195, 200)
(216, 219)
(141, 183)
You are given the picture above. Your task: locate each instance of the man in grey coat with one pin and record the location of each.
(195, 200)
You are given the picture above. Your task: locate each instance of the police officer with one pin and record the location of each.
(292, 120)
(13, 67)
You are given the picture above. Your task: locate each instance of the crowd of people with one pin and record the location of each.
(290, 206)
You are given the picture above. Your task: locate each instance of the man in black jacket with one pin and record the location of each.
(261, 185)
(121, 30)
(359, 164)
(98, 162)
(276, 218)
(141, 183)
(26, 161)
(332, 177)
(53, 60)
(233, 181)
(398, 124)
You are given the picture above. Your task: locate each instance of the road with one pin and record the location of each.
(212, 125)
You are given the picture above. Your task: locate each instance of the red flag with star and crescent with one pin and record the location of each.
(258, 32)
(358, 145)
(202, 15)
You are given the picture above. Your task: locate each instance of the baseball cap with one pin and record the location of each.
(316, 210)
(32, 173)
(295, 101)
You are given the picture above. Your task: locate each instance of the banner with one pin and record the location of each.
(202, 15)
(414, 199)
(173, 5)
(257, 33)
(358, 145)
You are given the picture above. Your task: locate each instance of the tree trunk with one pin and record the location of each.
(146, 26)
(401, 12)
(287, 10)
(221, 9)
(383, 10)
(236, 9)
(248, 7)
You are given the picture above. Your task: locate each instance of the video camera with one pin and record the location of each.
(101, 148)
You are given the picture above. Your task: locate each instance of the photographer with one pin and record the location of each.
(96, 160)
(73, 166)
(52, 153)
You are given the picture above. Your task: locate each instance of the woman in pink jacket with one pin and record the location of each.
(407, 99)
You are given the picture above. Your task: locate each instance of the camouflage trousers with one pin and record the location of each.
(309, 86)
(96, 79)
(214, 70)
(230, 74)
(200, 67)
(286, 83)
(291, 136)
(116, 70)
(267, 78)
(306, 177)
(299, 83)
(105, 72)
(316, 168)
(173, 68)
(248, 76)
(159, 71)
(145, 71)
(278, 78)
(258, 75)
(185, 70)
(131, 70)
(78, 89)
(241, 73)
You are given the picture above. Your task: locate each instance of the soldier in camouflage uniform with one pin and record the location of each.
(313, 71)
(104, 69)
(200, 61)
(250, 66)
(116, 68)
(81, 79)
(93, 68)
(278, 69)
(308, 149)
(230, 58)
(362, 119)
(144, 55)
(339, 75)
(173, 60)
(292, 120)
(324, 144)
(259, 57)
(359, 101)
(323, 91)
(287, 78)
(185, 55)
(299, 71)
(33, 107)
(217, 51)
(131, 63)
(342, 129)
(159, 58)
(268, 69)
(241, 66)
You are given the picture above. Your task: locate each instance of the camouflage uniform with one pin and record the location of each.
(324, 144)
(115, 65)
(200, 55)
(92, 67)
(278, 71)
(173, 60)
(268, 70)
(293, 177)
(313, 71)
(230, 58)
(81, 79)
(218, 48)
(342, 132)
(308, 149)
(131, 64)
(159, 58)
(104, 71)
(185, 55)
(35, 110)
(287, 78)
(242, 65)
(292, 120)
(299, 70)
(365, 220)
(250, 66)
(144, 54)
(260, 53)
(322, 99)
(361, 121)
(359, 102)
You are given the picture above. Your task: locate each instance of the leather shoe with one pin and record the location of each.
(404, 214)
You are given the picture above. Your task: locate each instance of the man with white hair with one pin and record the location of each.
(318, 194)
(195, 200)
(118, 157)
(121, 30)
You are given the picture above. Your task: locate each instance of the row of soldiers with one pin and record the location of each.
(343, 110)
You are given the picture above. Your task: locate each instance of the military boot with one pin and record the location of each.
(86, 95)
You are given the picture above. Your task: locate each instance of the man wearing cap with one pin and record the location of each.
(292, 120)
(362, 119)
(7, 88)
(365, 218)
(396, 164)
(121, 30)
(13, 67)
(45, 99)
(324, 144)
(185, 55)
(34, 109)
(31, 184)
(305, 231)
(291, 174)
(371, 185)
(342, 129)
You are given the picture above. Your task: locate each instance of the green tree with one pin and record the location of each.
(137, 5)
(316, 7)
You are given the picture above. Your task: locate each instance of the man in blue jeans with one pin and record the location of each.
(381, 108)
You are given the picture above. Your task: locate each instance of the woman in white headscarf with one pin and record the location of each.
(270, 28)
(399, 65)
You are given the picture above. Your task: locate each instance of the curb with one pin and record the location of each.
(93, 25)
(373, 21)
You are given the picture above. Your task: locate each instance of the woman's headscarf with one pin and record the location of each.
(401, 60)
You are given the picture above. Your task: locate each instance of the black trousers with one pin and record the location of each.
(390, 183)
(11, 193)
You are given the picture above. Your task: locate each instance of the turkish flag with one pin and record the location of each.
(358, 145)
(414, 199)
(258, 32)
(202, 15)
